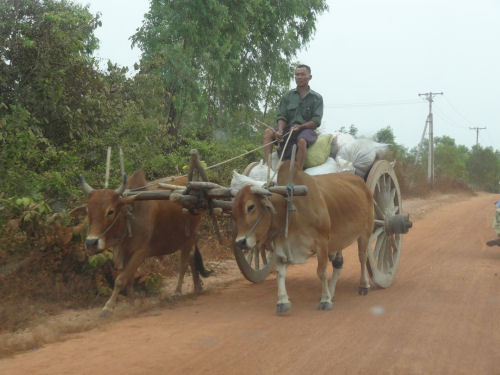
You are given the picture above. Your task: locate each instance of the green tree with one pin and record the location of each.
(46, 65)
(448, 159)
(385, 135)
(220, 56)
(483, 168)
(353, 130)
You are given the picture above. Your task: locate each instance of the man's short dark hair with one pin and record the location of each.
(304, 66)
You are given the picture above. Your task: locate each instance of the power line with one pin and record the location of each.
(453, 123)
(457, 111)
(374, 104)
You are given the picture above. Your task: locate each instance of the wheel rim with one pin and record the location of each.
(255, 263)
(384, 249)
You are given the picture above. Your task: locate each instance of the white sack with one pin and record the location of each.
(339, 141)
(344, 165)
(362, 153)
(240, 180)
(329, 166)
(259, 172)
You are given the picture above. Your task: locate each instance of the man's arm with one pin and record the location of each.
(282, 117)
(306, 125)
(318, 111)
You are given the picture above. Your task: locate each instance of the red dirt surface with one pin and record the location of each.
(440, 316)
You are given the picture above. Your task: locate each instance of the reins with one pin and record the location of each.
(289, 134)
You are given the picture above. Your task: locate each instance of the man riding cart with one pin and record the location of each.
(300, 112)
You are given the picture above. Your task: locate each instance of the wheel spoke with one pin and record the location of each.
(257, 258)
(393, 244)
(375, 239)
(378, 211)
(264, 255)
(250, 256)
(379, 223)
(380, 251)
(393, 194)
(381, 182)
(389, 254)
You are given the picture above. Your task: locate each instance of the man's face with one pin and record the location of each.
(302, 77)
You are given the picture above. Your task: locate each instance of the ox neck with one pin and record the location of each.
(278, 223)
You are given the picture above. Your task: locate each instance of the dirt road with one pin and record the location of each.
(441, 316)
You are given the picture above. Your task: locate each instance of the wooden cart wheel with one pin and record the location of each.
(384, 247)
(256, 263)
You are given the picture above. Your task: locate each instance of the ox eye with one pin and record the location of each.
(110, 212)
(250, 208)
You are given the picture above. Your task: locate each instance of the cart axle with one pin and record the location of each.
(397, 224)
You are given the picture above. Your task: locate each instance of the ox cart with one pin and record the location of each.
(384, 249)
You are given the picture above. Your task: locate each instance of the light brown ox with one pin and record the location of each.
(152, 228)
(337, 210)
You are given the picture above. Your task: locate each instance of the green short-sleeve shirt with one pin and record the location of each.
(294, 109)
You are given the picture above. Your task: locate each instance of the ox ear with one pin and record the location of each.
(268, 204)
(79, 211)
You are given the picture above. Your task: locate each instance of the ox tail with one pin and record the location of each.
(198, 262)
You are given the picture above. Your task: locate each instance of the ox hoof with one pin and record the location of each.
(363, 291)
(495, 242)
(282, 308)
(325, 305)
(105, 313)
(198, 289)
(206, 273)
(176, 296)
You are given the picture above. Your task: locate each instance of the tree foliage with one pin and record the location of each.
(449, 160)
(218, 57)
(46, 65)
(483, 167)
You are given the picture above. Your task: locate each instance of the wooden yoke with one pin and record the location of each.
(200, 194)
(197, 173)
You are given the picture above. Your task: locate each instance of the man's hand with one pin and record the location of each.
(296, 128)
(279, 134)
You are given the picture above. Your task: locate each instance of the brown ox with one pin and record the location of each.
(337, 210)
(140, 229)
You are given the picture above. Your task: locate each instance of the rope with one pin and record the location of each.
(249, 152)
(281, 158)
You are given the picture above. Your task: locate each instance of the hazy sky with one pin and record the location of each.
(371, 59)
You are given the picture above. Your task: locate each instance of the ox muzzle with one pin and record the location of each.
(241, 243)
(92, 243)
(248, 240)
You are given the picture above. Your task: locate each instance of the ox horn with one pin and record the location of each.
(85, 187)
(121, 189)
(260, 191)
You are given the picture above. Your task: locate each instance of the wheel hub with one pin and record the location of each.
(397, 224)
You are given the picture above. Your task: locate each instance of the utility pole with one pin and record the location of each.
(477, 134)
(429, 96)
